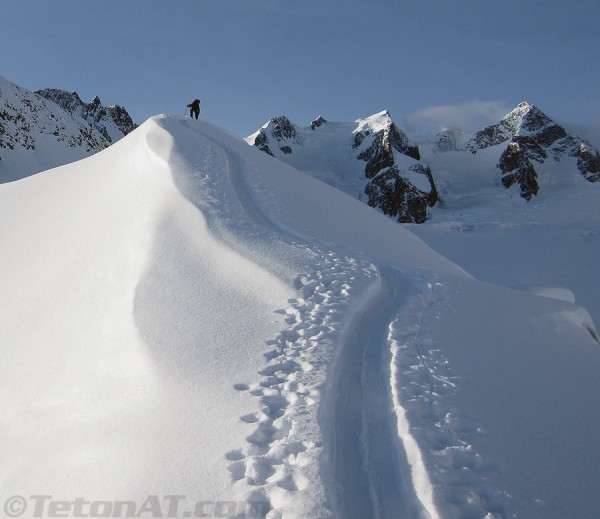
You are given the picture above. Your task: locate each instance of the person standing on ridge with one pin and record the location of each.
(194, 107)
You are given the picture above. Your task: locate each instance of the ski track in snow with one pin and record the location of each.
(370, 470)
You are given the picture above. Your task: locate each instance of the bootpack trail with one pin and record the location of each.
(350, 301)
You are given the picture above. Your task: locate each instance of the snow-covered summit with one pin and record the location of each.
(370, 159)
(524, 121)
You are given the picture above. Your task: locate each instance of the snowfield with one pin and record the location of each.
(184, 315)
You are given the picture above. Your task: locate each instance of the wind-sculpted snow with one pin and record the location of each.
(279, 466)
(184, 316)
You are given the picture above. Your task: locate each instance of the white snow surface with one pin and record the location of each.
(185, 315)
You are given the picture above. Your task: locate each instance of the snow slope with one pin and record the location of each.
(550, 241)
(184, 315)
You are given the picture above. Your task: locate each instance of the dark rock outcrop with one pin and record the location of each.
(396, 196)
(262, 142)
(588, 160)
(319, 121)
(280, 129)
(384, 141)
(517, 169)
(390, 188)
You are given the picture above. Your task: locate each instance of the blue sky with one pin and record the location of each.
(430, 62)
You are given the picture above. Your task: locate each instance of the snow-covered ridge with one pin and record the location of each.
(37, 134)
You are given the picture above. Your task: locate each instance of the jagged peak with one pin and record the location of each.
(52, 93)
(319, 121)
(277, 119)
(113, 121)
(283, 128)
(526, 118)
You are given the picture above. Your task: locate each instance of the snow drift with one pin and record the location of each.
(186, 316)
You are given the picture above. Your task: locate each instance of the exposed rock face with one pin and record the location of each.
(387, 139)
(319, 121)
(390, 188)
(393, 181)
(518, 170)
(283, 128)
(280, 129)
(588, 161)
(113, 122)
(396, 196)
(531, 136)
(262, 142)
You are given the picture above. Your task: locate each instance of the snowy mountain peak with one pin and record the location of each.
(525, 136)
(370, 159)
(526, 121)
(376, 122)
(389, 135)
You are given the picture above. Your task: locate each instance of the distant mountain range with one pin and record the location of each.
(52, 127)
(373, 160)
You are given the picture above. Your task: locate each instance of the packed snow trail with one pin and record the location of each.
(369, 467)
(371, 474)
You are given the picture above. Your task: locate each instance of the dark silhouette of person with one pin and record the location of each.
(194, 107)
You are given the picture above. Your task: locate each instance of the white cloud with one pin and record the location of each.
(469, 117)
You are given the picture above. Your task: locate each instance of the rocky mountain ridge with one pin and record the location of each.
(112, 121)
(38, 132)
